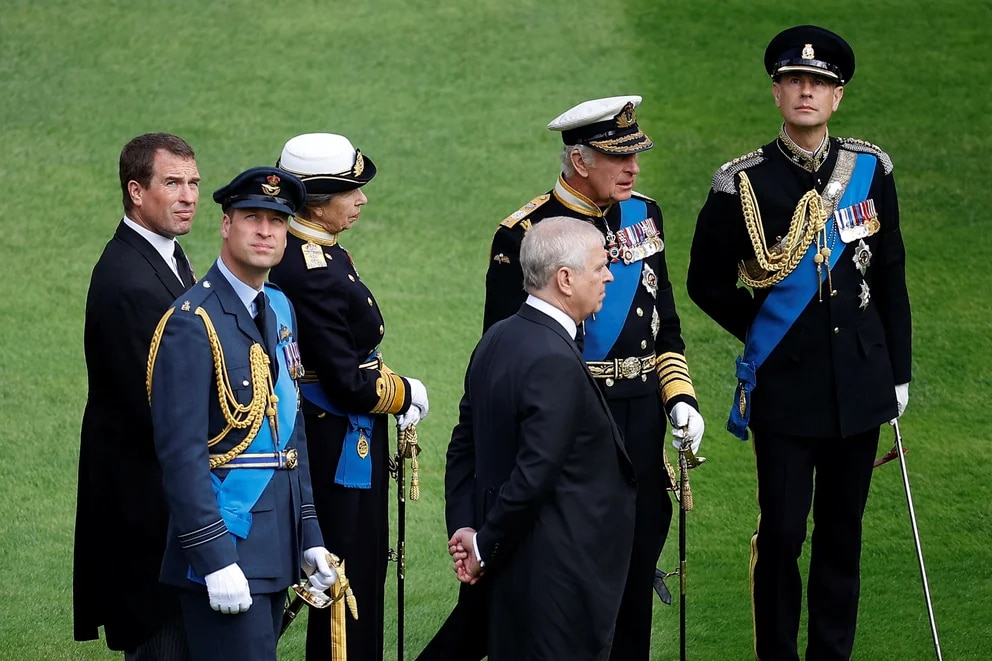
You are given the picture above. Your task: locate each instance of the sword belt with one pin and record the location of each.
(282, 460)
(622, 368)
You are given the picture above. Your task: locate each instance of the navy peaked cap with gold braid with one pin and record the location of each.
(263, 188)
(810, 49)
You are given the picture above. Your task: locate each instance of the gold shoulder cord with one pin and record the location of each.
(237, 416)
(779, 261)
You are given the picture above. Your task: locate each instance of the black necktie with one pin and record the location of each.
(260, 310)
(182, 265)
(580, 339)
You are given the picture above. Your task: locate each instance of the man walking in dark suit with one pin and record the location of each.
(121, 516)
(222, 380)
(538, 483)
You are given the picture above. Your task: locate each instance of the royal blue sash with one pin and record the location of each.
(603, 330)
(785, 303)
(238, 492)
(353, 471)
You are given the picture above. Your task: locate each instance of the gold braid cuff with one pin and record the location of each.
(673, 376)
(236, 416)
(391, 390)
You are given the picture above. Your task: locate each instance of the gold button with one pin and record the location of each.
(640, 312)
(836, 331)
(644, 377)
(833, 293)
(351, 277)
(609, 382)
(644, 344)
(370, 301)
(382, 329)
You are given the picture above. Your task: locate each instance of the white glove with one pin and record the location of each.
(902, 400)
(684, 415)
(228, 590)
(418, 405)
(315, 565)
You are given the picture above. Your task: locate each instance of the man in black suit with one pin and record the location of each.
(121, 516)
(540, 492)
(825, 322)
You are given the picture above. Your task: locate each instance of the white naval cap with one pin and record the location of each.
(608, 125)
(326, 163)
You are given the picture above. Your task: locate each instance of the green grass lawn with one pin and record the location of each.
(450, 99)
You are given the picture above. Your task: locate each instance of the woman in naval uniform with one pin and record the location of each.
(347, 389)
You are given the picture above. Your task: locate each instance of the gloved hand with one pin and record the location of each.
(228, 590)
(683, 415)
(418, 405)
(902, 400)
(315, 565)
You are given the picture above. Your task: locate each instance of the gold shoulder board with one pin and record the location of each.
(524, 211)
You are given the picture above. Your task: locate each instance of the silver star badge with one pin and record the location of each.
(865, 295)
(650, 280)
(862, 256)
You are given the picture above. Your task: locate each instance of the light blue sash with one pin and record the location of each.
(603, 330)
(785, 303)
(240, 490)
(352, 471)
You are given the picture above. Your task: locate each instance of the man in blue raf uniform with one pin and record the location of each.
(633, 346)
(810, 224)
(229, 435)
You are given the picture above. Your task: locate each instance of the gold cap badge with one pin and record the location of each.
(808, 52)
(271, 188)
(626, 117)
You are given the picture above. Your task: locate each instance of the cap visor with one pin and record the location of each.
(800, 68)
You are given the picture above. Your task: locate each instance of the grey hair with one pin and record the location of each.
(312, 202)
(554, 243)
(587, 153)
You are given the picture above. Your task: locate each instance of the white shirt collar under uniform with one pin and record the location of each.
(555, 313)
(162, 245)
(245, 292)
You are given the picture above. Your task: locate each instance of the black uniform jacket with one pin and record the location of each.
(186, 413)
(652, 326)
(121, 514)
(538, 461)
(834, 371)
(340, 323)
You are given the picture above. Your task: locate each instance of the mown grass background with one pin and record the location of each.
(450, 99)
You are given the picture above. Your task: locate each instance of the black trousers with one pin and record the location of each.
(832, 475)
(355, 526)
(463, 636)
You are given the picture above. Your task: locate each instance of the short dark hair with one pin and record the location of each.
(138, 159)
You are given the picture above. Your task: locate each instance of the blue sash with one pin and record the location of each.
(353, 471)
(785, 303)
(240, 490)
(603, 330)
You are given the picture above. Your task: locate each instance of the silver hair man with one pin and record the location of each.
(555, 243)
(586, 153)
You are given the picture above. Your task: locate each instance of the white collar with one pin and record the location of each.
(162, 244)
(555, 313)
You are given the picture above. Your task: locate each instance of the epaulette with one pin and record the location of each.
(524, 211)
(723, 179)
(191, 300)
(643, 197)
(865, 147)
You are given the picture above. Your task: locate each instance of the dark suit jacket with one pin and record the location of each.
(186, 413)
(537, 464)
(121, 516)
(834, 372)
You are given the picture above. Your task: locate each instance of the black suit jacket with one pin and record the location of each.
(121, 516)
(537, 465)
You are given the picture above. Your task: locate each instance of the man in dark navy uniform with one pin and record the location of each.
(810, 224)
(633, 346)
(229, 435)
